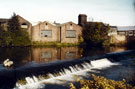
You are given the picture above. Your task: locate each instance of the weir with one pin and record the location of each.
(59, 70)
(65, 74)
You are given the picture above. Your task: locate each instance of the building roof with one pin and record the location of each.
(3, 20)
(23, 19)
(126, 28)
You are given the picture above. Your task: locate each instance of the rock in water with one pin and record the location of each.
(7, 63)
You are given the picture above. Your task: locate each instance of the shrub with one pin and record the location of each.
(100, 82)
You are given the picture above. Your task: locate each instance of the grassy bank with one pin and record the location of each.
(57, 44)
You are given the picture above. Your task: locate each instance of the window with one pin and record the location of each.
(70, 34)
(24, 25)
(46, 33)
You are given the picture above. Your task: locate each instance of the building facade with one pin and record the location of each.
(126, 30)
(45, 32)
(70, 32)
(121, 34)
(51, 32)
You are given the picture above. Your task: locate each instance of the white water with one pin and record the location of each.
(65, 76)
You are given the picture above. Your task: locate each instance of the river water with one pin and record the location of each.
(56, 62)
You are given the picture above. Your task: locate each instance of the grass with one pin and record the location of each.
(57, 44)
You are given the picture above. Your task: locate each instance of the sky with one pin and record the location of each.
(113, 12)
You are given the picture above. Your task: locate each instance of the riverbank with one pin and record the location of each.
(56, 44)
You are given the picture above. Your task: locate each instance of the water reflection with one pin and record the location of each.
(23, 55)
(20, 55)
(52, 54)
(101, 51)
(117, 49)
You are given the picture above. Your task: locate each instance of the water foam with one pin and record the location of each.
(65, 74)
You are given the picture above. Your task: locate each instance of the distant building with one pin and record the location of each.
(121, 34)
(68, 32)
(112, 31)
(126, 30)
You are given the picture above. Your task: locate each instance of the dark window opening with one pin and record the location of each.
(24, 25)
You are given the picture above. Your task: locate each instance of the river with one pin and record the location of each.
(40, 61)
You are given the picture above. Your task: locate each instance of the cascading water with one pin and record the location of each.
(66, 74)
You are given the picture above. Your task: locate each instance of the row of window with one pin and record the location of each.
(69, 33)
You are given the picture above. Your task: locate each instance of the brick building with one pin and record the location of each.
(45, 32)
(52, 32)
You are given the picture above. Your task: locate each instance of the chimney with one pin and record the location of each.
(82, 19)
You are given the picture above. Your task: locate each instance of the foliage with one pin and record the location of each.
(21, 82)
(100, 82)
(21, 40)
(18, 35)
(14, 25)
(95, 33)
(80, 39)
(5, 37)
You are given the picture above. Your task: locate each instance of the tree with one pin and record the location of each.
(5, 38)
(19, 36)
(95, 33)
(13, 24)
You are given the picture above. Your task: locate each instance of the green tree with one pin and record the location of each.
(13, 24)
(95, 34)
(19, 36)
(5, 38)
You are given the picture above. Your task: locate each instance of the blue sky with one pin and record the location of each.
(114, 12)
